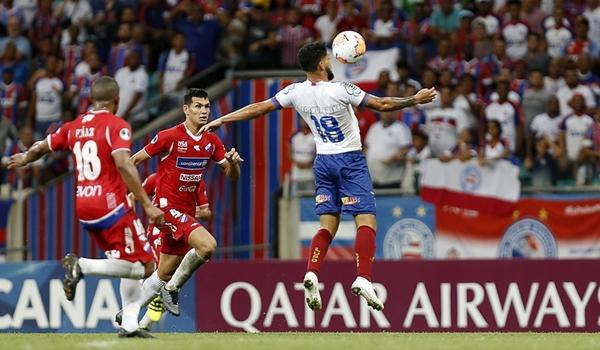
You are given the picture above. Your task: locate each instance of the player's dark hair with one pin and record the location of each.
(105, 89)
(310, 55)
(194, 92)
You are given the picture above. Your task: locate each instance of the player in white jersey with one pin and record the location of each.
(342, 179)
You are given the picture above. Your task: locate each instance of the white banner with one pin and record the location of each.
(367, 69)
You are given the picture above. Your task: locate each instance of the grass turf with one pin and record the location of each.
(303, 341)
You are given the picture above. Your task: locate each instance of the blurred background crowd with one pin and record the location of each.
(516, 80)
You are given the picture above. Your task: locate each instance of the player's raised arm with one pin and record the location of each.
(384, 104)
(131, 177)
(35, 152)
(251, 111)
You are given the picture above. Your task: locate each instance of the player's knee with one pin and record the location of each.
(148, 269)
(164, 275)
(207, 247)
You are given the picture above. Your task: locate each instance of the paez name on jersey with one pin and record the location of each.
(191, 163)
(84, 132)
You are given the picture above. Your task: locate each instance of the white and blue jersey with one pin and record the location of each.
(341, 174)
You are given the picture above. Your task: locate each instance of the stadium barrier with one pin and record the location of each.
(254, 296)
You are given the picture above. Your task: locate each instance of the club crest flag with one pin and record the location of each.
(491, 188)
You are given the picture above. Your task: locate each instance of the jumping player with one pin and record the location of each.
(342, 179)
(185, 154)
(100, 143)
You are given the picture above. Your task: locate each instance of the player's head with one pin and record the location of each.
(196, 106)
(105, 93)
(313, 58)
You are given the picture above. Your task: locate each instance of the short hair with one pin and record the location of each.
(497, 123)
(105, 89)
(310, 55)
(194, 92)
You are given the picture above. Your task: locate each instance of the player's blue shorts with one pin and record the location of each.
(343, 184)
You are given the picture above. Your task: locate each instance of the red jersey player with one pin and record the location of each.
(179, 173)
(100, 143)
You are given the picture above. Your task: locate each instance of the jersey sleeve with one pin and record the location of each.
(58, 140)
(285, 97)
(219, 149)
(352, 94)
(119, 133)
(159, 143)
(201, 196)
(150, 184)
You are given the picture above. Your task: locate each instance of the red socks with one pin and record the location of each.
(365, 251)
(318, 248)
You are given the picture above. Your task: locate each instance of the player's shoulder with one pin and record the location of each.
(291, 89)
(347, 88)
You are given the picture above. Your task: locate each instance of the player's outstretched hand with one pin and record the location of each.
(425, 95)
(155, 215)
(233, 157)
(16, 161)
(215, 124)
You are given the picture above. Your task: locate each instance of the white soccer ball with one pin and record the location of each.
(349, 47)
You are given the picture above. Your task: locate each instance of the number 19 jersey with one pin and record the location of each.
(92, 139)
(327, 108)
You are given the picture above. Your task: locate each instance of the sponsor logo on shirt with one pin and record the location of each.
(125, 134)
(187, 188)
(191, 163)
(182, 146)
(208, 147)
(154, 139)
(190, 177)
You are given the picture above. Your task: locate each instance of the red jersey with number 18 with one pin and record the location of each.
(93, 138)
(180, 171)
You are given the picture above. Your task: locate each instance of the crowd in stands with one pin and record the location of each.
(515, 79)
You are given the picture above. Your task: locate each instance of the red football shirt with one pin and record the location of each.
(92, 138)
(201, 197)
(181, 169)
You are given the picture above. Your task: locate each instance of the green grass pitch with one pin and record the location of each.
(303, 341)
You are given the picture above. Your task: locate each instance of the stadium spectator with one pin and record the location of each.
(302, 153)
(120, 50)
(261, 42)
(326, 24)
(404, 80)
(72, 54)
(386, 145)
(533, 15)
(14, 34)
(444, 19)
(554, 79)
(535, 98)
(573, 129)
(7, 10)
(175, 65)
(80, 90)
(573, 86)
(412, 116)
(491, 65)
(586, 76)
(592, 13)
(291, 36)
(558, 34)
(352, 19)
(508, 114)
(537, 58)
(557, 18)
(384, 32)
(546, 126)
(138, 43)
(418, 152)
(8, 135)
(13, 99)
(466, 148)
(382, 83)
(133, 86)
(515, 32)
(467, 101)
(482, 42)
(463, 36)
(45, 107)
(486, 16)
(44, 24)
(495, 146)
(278, 13)
(544, 164)
(444, 59)
(77, 11)
(591, 146)
(581, 43)
(444, 124)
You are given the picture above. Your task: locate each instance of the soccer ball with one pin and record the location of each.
(349, 47)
